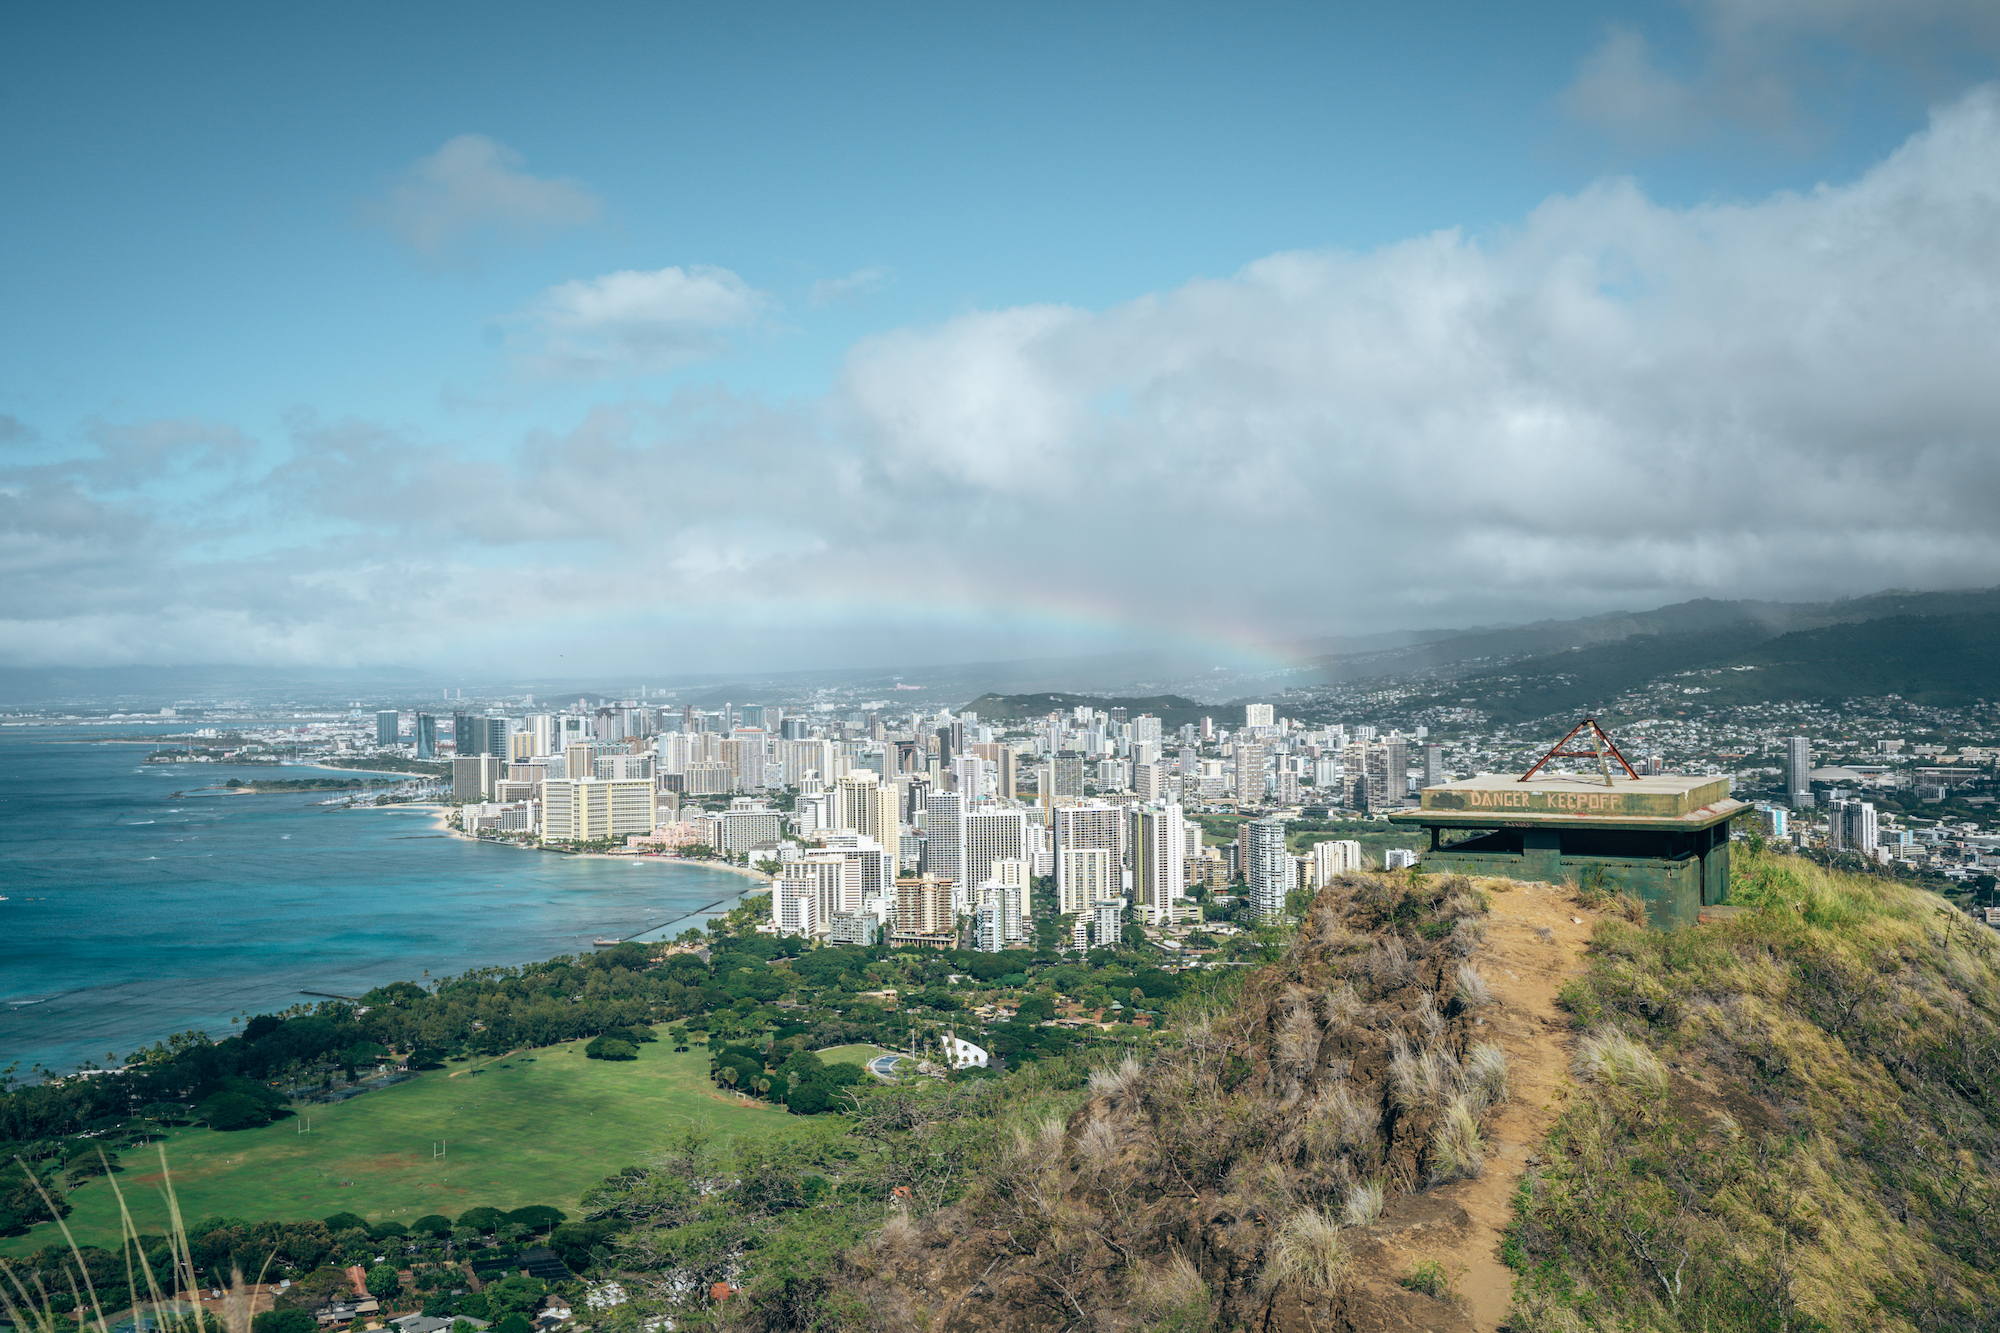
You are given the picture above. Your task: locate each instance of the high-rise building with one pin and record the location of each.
(427, 736)
(923, 907)
(990, 836)
(1852, 826)
(1397, 761)
(1267, 866)
(1250, 758)
(473, 777)
(747, 830)
(944, 826)
(1146, 730)
(591, 809)
(1084, 875)
(1149, 782)
(387, 729)
(1106, 930)
(1798, 772)
(479, 735)
(807, 893)
(1076, 827)
(853, 927)
(867, 805)
(1002, 757)
(1434, 765)
(1067, 766)
(1014, 872)
(792, 728)
(1259, 715)
(1157, 842)
(1335, 858)
(968, 778)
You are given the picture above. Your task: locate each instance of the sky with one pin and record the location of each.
(668, 338)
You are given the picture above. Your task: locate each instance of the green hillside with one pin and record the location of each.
(1944, 660)
(1172, 710)
(1940, 660)
(1786, 1120)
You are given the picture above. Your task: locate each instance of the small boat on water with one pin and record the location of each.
(606, 944)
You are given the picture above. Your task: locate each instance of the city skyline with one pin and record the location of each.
(786, 340)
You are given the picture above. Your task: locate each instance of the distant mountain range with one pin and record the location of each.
(1936, 648)
(1172, 710)
(1940, 647)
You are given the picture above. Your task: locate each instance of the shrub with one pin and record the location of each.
(610, 1048)
(1430, 1277)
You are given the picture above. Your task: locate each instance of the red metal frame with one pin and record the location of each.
(1600, 745)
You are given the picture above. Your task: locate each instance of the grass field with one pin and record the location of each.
(859, 1054)
(540, 1127)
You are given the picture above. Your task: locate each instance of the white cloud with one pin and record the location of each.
(1778, 66)
(473, 185)
(1618, 403)
(861, 282)
(633, 322)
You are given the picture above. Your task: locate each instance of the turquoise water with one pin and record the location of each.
(130, 915)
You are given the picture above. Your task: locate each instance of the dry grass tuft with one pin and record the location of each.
(1611, 1058)
(897, 1235)
(1473, 992)
(1456, 1148)
(1484, 1076)
(1364, 1204)
(1310, 1252)
(1115, 1080)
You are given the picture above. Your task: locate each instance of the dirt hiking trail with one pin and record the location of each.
(1535, 941)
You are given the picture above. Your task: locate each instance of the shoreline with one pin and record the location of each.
(440, 817)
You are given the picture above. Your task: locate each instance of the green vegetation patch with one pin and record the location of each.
(1787, 1119)
(513, 1132)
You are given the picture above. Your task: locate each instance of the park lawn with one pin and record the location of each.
(858, 1054)
(538, 1127)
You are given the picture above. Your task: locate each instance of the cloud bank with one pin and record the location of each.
(1615, 403)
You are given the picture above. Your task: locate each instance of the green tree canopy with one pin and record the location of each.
(284, 1321)
(481, 1219)
(610, 1048)
(537, 1217)
(233, 1110)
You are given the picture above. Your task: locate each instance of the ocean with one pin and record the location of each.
(130, 915)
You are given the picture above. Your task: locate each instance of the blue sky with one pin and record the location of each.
(780, 336)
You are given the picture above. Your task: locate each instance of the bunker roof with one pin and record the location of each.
(1666, 801)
